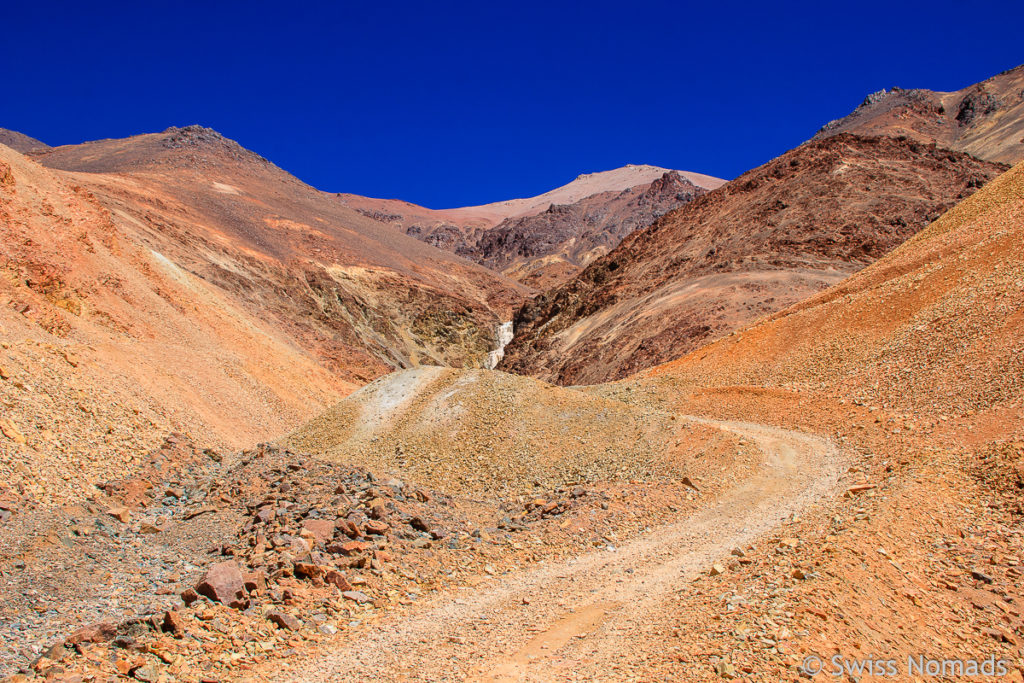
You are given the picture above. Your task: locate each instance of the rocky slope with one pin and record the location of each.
(108, 345)
(542, 241)
(932, 330)
(985, 119)
(486, 433)
(914, 365)
(766, 240)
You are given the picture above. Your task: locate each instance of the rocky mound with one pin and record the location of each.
(985, 119)
(265, 544)
(766, 240)
(489, 433)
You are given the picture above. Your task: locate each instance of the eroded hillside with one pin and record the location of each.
(766, 240)
(177, 281)
(107, 345)
(359, 296)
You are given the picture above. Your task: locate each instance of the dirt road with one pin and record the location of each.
(570, 619)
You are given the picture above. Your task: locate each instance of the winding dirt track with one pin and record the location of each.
(569, 620)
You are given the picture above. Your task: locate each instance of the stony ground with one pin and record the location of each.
(205, 565)
(873, 540)
(546, 622)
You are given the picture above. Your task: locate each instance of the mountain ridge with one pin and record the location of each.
(985, 119)
(764, 241)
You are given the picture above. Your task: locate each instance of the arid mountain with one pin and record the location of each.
(764, 241)
(585, 185)
(934, 329)
(985, 119)
(544, 240)
(841, 479)
(354, 292)
(178, 282)
(19, 141)
(489, 215)
(543, 250)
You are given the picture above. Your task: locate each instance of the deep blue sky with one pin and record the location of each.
(449, 104)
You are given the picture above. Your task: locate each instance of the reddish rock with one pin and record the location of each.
(308, 570)
(358, 597)
(130, 492)
(121, 514)
(336, 578)
(255, 580)
(284, 620)
(99, 632)
(348, 528)
(173, 623)
(353, 547)
(189, 596)
(375, 526)
(225, 584)
(300, 547)
(322, 529)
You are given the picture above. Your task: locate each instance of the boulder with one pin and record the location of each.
(225, 584)
(284, 620)
(336, 578)
(321, 529)
(376, 527)
(358, 597)
(100, 632)
(173, 623)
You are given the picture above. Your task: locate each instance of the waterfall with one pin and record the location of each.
(505, 335)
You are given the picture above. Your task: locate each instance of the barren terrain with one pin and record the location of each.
(570, 619)
(844, 480)
(247, 429)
